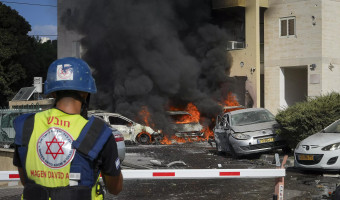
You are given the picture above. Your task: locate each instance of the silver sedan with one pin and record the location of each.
(247, 131)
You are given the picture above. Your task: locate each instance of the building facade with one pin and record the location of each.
(302, 50)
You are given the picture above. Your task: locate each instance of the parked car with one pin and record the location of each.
(183, 125)
(131, 130)
(120, 144)
(321, 150)
(247, 131)
(7, 132)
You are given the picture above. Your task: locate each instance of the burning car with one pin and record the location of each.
(131, 130)
(184, 125)
(247, 131)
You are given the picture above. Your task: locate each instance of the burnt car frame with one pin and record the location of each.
(132, 131)
(185, 129)
(247, 131)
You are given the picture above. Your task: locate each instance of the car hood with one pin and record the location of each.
(139, 128)
(321, 139)
(254, 127)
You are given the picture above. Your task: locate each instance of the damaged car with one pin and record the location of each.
(320, 151)
(184, 126)
(247, 131)
(132, 131)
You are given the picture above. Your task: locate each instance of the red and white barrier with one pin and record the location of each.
(203, 173)
(9, 176)
(182, 174)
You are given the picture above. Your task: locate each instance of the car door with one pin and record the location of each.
(220, 134)
(122, 125)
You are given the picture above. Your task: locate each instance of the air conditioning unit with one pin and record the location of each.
(234, 45)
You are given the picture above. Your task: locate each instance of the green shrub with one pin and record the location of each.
(306, 118)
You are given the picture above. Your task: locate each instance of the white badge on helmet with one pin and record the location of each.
(64, 72)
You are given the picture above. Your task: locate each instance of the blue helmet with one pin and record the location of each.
(69, 74)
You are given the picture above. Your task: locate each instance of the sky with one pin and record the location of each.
(42, 18)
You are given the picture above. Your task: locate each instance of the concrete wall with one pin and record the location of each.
(330, 46)
(300, 50)
(6, 157)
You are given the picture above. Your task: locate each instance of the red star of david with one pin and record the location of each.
(60, 150)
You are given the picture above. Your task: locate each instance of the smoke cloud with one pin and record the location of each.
(153, 53)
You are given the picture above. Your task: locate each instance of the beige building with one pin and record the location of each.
(294, 43)
(247, 58)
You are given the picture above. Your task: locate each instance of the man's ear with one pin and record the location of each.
(84, 94)
(53, 95)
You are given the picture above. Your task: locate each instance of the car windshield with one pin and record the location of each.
(251, 117)
(333, 128)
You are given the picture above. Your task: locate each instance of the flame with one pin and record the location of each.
(194, 117)
(230, 101)
(194, 114)
(145, 114)
(174, 139)
(208, 133)
(165, 140)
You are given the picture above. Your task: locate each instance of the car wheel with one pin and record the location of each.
(234, 155)
(219, 152)
(144, 138)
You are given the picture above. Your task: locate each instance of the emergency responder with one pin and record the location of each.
(59, 152)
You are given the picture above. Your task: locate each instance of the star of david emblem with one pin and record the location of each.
(56, 144)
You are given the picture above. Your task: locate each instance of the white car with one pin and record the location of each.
(321, 150)
(131, 130)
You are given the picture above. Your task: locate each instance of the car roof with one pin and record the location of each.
(99, 112)
(178, 113)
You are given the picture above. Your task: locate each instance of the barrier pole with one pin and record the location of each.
(279, 182)
(174, 174)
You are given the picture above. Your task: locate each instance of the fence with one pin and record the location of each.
(7, 116)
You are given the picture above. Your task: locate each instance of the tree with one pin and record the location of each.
(38, 58)
(22, 57)
(13, 41)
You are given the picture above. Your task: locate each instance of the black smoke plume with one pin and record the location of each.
(153, 53)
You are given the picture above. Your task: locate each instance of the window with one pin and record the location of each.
(118, 121)
(287, 26)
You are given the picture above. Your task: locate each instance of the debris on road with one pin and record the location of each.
(159, 163)
(176, 163)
